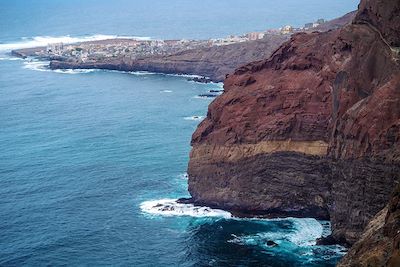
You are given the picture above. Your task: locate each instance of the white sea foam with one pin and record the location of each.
(305, 232)
(204, 97)
(36, 65)
(183, 176)
(169, 207)
(10, 58)
(166, 91)
(143, 73)
(194, 118)
(220, 85)
(74, 71)
(184, 75)
(45, 40)
(44, 66)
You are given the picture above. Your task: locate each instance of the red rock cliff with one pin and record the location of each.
(312, 131)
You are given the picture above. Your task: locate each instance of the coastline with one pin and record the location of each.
(211, 59)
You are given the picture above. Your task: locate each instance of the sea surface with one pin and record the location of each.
(91, 162)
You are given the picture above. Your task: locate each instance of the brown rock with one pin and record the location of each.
(312, 131)
(379, 245)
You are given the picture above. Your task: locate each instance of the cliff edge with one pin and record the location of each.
(312, 131)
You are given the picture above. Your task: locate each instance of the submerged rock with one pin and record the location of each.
(271, 243)
(208, 95)
(200, 80)
(327, 241)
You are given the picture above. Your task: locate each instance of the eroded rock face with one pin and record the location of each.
(379, 245)
(311, 131)
(264, 138)
(384, 16)
(263, 188)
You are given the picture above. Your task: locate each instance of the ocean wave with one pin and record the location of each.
(166, 91)
(74, 71)
(144, 73)
(44, 66)
(10, 58)
(183, 176)
(37, 65)
(304, 233)
(194, 118)
(184, 75)
(205, 97)
(219, 85)
(37, 41)
(169, 207)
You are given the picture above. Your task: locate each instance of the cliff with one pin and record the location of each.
(379, 245)
(314, 130)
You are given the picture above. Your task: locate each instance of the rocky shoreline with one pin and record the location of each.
(213, 63)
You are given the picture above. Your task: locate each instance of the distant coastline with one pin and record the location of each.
(212, 59)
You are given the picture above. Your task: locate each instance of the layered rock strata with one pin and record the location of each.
(379, 245)
(312, 131)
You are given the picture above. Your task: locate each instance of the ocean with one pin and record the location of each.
(86, 155)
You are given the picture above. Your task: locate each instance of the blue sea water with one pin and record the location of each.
(86, 155)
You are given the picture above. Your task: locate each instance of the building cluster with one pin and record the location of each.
(252, 36)
(119, 48)
(134, 49)
(314, 24)
(289, 29)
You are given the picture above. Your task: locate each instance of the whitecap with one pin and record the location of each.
(304, 233)
(220, 85)
(184, 75)
(37, 65)
(10, 58)
(194, 118)
(38, 41)
(44, 66)
(74, 71)
(307, 230)
(205, 97)
(183, 176)
(142, 73)
(166, 91)
(170, 207)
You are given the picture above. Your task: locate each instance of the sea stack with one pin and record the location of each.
(312, 131)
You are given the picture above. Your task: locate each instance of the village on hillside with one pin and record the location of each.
(135, 48)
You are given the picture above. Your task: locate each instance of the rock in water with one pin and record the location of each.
(271, 243)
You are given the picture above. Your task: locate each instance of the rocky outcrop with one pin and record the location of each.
(311, 131)
(336, 23)
(379, 245)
